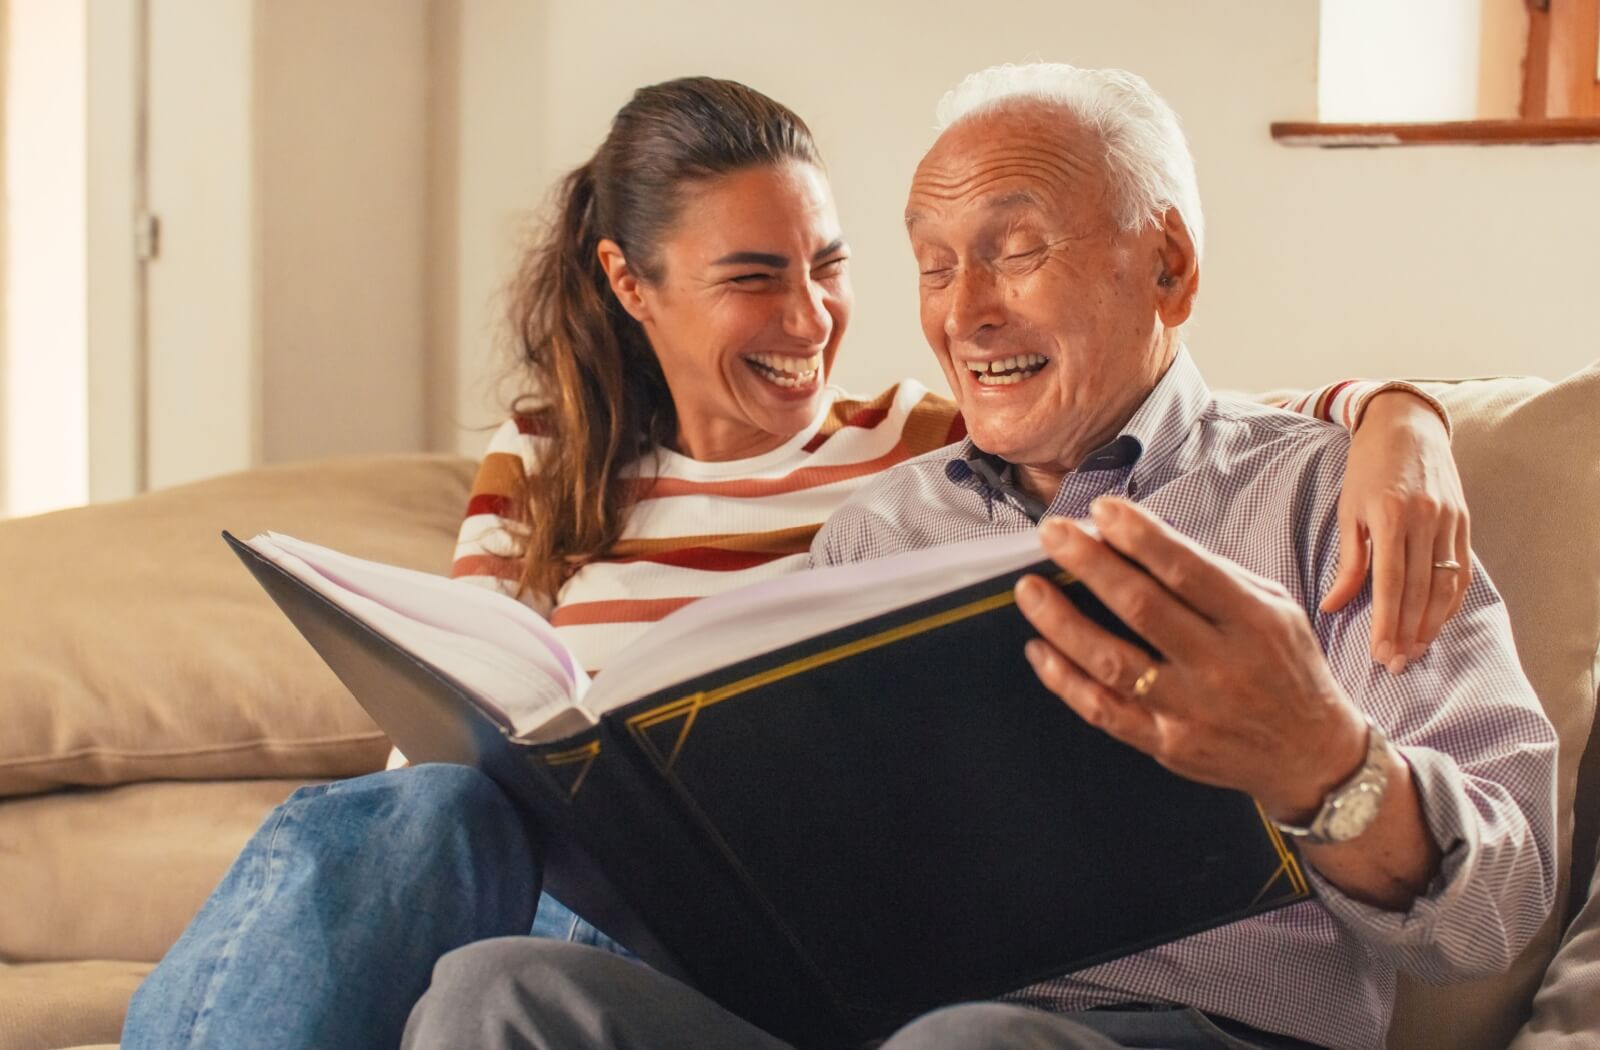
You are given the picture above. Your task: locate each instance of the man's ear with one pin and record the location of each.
(625, 284)
(1177, 274)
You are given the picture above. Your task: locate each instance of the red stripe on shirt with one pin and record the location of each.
(1325, 402)
(535, 425)
(707, 559)
(866, 418)
(621, 610)
(489, 503)
(487, 565)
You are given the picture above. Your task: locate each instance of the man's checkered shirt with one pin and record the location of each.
(1261, 487)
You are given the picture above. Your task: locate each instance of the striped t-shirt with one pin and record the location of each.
(698, 528)
(702, 528)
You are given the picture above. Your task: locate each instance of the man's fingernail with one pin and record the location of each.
(1397, 665)
(1054, 529)
(1038, 655)
(1383, 652)
(1028, 594)
(1416, 651)
(1102, 509)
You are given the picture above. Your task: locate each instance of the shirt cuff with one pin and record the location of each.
(1365, 398)
(1418, 939)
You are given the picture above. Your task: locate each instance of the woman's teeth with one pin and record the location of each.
(1007, 370)
(784, 370)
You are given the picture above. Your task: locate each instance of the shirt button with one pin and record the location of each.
(1133, 488)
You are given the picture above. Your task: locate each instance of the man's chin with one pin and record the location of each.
(1003, 441)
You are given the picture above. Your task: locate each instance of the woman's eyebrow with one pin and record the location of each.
(776, 262)
(828, 249)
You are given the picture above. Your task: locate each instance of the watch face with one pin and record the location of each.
(1354, 814)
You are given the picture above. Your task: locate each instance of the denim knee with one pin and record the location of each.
(420, 805)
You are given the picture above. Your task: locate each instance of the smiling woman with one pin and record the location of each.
(690, 296)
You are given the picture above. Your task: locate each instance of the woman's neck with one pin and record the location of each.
(719, 441)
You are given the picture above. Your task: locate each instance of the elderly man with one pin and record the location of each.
(1056, 227)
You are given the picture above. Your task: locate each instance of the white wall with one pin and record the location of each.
(443, 241)
(204, 395)
(289, 305)
(341, 111)
(286, 314)
(1321, 263)
(75, 403)
(503, 163)
(44, 414)
(115, 277)
(5, 251)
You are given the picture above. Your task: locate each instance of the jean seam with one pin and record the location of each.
(228, 953)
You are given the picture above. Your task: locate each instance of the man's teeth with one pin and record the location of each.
(1008, 369)
(786, 370)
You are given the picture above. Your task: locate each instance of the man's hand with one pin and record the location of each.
(1242, 697)
(1402, 492)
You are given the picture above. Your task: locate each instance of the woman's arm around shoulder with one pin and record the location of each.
(1402, 512)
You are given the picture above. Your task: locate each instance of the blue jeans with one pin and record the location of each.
(325, 931)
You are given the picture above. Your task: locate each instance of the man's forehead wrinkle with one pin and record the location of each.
(1008, 185)
(987, 179)
(956, 174)
(1047, 151)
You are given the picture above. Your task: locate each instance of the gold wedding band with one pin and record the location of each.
(1448, 565)
(1146, 681)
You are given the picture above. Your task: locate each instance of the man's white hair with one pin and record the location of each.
(1146, 156)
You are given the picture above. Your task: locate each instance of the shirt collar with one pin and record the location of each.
(1152, 434)
(1164, 420)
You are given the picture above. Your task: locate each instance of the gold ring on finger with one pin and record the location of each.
(1146, 681)
(1447, 565)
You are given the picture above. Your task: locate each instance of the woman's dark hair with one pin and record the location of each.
(591, 379)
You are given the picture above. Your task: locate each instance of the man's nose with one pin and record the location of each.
(805, 317)
(974, 305)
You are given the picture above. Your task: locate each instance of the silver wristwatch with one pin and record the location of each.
(1350, 808)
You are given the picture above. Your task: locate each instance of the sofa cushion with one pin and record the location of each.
(134, 646)
(117, 873)
(48, 1005)
(1566, 1010)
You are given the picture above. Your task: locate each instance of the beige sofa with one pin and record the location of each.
(156, 706)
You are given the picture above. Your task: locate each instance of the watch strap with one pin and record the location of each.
(1371, 776)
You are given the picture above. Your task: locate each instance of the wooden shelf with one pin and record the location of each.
(1458, 132)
